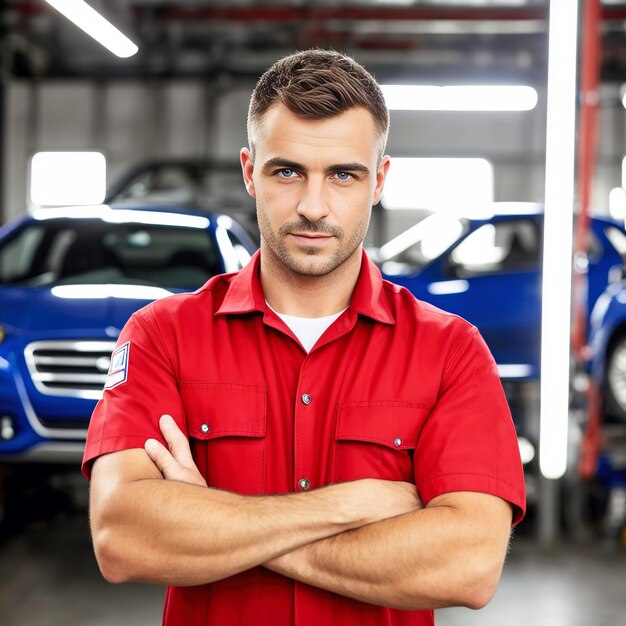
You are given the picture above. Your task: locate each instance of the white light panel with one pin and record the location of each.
(438, 184)
(67, 178)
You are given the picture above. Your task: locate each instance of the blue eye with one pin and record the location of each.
(287, 173)
(343, 176)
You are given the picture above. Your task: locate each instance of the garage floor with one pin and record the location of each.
(48, 576)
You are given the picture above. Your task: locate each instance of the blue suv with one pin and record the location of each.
(488, 270)
(69, 280)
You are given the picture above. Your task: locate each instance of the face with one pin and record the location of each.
(315, 182)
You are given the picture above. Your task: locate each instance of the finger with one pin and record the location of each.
(176, 440)
(160, 456)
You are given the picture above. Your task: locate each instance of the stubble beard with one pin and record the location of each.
(311, 264)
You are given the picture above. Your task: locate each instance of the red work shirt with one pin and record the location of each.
(394, 389)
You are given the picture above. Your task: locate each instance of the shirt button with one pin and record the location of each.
(397, 442)
(306, 398)
(205, 428)
(304, 484)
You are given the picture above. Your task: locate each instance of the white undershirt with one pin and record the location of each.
(307, 329)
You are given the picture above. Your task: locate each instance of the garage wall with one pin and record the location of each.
(132, 120)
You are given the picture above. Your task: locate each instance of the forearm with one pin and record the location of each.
(427, 559)
(170, 532)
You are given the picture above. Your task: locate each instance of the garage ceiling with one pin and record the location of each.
(458, 40)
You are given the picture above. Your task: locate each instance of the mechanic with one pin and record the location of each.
(302, 442)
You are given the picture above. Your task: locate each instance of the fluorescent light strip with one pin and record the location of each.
(460, 97)
(557, 247)
(96, 26)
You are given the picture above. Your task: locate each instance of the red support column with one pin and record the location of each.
(587, 152)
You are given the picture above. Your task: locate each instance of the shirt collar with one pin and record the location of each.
(245, 293)
(369, 297)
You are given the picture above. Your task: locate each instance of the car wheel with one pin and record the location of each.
(616, 379)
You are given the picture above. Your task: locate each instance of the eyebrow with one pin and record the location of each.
(293, 165)
(278, 162)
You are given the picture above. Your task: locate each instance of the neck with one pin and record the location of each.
(308, 296)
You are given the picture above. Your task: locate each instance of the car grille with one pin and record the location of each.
(69, 368)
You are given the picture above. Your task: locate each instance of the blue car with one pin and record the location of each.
(69, 280)
(488, 270)
(607, 340)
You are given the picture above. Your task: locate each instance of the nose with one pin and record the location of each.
(313, 204)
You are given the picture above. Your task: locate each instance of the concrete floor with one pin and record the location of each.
(48, 577)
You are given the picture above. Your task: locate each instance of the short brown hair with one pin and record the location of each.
(318, 84)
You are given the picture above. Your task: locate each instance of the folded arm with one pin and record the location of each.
(154, 519)
(449, 554)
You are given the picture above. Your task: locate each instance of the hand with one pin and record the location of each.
(372, 500)
(177, 462)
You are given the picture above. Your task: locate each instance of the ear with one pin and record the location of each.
(247, 167)
(381, 175)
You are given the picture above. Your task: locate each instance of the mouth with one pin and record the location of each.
(311, 239)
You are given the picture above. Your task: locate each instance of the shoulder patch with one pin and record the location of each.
(118, 370)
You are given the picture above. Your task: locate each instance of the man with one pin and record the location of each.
(336, 452)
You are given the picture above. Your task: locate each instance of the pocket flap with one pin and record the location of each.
(393, 423)
(224, 410)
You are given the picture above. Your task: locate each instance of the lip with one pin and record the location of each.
(311, 239)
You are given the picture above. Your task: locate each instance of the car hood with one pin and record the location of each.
(96, 309)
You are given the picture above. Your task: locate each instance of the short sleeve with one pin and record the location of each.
(143, 389)
(468, 442)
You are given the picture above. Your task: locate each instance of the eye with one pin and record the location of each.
(286, 173)
(343, 176)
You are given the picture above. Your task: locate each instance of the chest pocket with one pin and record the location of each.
(226, 425)
(377, 439)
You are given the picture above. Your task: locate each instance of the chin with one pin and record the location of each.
(313, 265)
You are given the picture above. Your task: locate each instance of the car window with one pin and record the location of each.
(504, 246)
(595, 250)
(420, 244)
(166, 184)
(17, 254)
(240, 252)
(617, 238)
(77, 251)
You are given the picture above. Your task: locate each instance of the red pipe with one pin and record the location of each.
(587, 152)
(288, 13)
(294, 14)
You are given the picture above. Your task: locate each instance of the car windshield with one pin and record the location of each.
(420, 244)
(92, 251)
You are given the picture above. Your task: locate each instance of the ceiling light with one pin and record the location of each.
(89, 20)
(460, 97)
